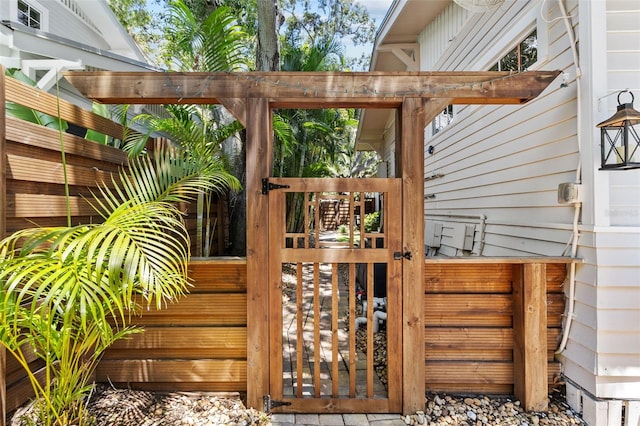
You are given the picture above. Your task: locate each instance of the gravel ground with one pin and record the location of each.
(125, 407)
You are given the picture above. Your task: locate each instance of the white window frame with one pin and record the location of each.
(44, 13)
(534, 21)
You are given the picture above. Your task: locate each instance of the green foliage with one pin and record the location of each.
(343, 229)
(67, 293)
(372, 222)
(199, 137)
(211, 44)
(309, 22)
(141, 24)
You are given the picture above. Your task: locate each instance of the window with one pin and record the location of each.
(442, 120)
(520, 57)
(28, 15)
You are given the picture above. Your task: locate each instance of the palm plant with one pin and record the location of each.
(199, 137)
(314, 139)
(215, 43)
(67, 293)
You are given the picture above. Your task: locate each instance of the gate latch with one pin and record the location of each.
(399, 255)
(268, 186)
(268, 403)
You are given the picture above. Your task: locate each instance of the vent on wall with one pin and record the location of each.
(569, 193)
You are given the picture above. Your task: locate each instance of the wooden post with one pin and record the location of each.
(410, 166)
(3, 230)
(258, 151)
(530, 335)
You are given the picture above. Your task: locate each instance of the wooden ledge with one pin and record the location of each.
(222, 260)
(506, 259)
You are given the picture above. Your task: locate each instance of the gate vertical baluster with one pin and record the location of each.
(299, 332)
(369, 330)
(335, 380)
(352, 330)
(316, 329)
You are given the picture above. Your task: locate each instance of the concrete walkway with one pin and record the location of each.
(338, 419)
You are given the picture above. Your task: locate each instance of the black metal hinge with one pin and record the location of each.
(268, 186)
(399, 255)
(268, 404)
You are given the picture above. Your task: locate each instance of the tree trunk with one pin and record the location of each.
(267, 59)
(267, 53)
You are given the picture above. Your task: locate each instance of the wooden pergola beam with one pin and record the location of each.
(311, 89)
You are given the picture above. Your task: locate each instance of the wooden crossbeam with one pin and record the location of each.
(311, 89)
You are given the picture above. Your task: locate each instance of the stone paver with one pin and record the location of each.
(388, 422)
(337, 420)
(331, 420)
(283, 419)
(355, 420)
(307, 419)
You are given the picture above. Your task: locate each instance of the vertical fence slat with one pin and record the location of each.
(352, 330)
(299, 331)
(370, 330)
(335, 380)
(316, 329)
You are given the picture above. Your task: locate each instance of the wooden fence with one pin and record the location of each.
(32, 189)
(200, 343)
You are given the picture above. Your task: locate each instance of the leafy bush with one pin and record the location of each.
(372, 222)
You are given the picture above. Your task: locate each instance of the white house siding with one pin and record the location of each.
(615, 291)
(65, 23)
(504, 163)
(440, 33)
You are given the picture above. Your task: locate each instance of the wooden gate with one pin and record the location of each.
(335, 298)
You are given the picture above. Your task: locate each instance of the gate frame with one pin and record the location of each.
(251, 96)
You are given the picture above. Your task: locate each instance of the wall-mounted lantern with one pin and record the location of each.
(619, 139)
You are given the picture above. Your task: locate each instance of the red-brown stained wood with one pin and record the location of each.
(259, 148)
(23, 94)
(182, 343)
(467, 278)
(311, 90)
(199, 309)
(226, 275)
(529, 332)
(170, 371)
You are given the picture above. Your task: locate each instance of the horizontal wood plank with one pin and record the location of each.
(36, 170)
(34, 135)
(25, 95)
(223, 387)
(35, 206)
(199, 309)
(183, 342)
(225, 275)
(465, 372)
(323, 89)
(172, 371)
(468, 278)
(470, 388)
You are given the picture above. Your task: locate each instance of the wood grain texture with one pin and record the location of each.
(259, 149)
(309, 89)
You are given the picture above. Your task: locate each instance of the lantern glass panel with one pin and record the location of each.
(620, 147)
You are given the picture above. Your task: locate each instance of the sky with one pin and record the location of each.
(377, 10)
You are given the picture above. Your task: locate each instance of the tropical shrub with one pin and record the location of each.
(372, 222)
(67, 293)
